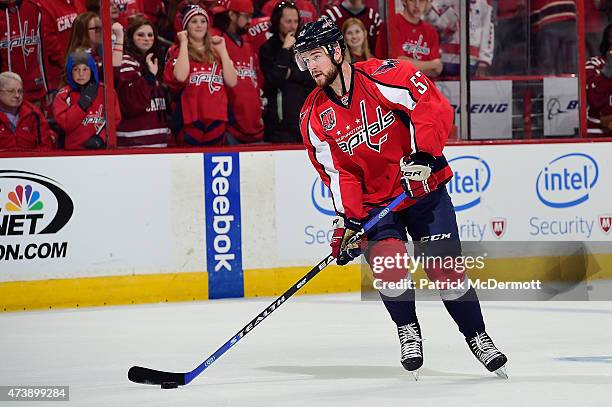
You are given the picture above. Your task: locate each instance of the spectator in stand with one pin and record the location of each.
(599, 88)
(415, 40)
(355, 37)
(308, 12)
(79, 108)
(357, 9)
(127, 9)
(174, 22)
(141, 96)
(285, 87)
(444, 16)
(245, 124)
(23, 127)
(20, 45)
(511, 38)
(198, 71)
(553, 27)
(87, 36)
(57, 19)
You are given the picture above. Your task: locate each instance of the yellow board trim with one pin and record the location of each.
(152, 288)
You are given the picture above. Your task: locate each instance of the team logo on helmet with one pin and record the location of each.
(328, 119)
(386, 66)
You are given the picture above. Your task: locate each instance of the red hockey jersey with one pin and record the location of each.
(245, 122)
(202, 100)
(368, 16)
(79, 125)
(416, 41)
(392, 111)
(21, 46)
(58, 16)
(143, 106)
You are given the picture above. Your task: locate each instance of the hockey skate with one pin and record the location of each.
(485, 351)
(411, 348)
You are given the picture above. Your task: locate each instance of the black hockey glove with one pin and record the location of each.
(88, 95)
(416, 178)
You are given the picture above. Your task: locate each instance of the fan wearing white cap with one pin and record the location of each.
(198, 70)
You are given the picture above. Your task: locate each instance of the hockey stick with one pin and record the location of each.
(169, 380)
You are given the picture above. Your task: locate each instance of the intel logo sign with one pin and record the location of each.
(567, 180)
(471, 177)
(321, 198)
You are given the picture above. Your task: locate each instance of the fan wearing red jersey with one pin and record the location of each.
(414, 39)
(198, 70)
(245, 124)
(599, 88)
(357, 9)
(373, 129)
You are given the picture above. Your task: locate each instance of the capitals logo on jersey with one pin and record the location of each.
(214, 81)
(418, 49)
(24, 40)
(367, 132)
(328, 119)
(386, 66)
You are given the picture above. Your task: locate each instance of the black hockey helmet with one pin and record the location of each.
(320, 33)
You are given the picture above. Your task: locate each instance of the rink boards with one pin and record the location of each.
(101, 230)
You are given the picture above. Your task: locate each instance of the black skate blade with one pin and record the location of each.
(145, 375)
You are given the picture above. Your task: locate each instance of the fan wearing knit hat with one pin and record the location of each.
(198, 71)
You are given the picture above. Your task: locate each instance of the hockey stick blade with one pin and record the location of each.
(145, 375)
(168, 380)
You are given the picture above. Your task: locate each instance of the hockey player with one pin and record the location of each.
(373, 129)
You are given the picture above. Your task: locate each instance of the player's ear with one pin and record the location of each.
(338, 54)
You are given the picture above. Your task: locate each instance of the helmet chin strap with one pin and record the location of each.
(339, 67)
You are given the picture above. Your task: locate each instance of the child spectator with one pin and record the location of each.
(79, 108)
(141, 96)
(415, 40)
(245, 124)
(198, 70)
(23, 127)
(21, 46)
(355, 37)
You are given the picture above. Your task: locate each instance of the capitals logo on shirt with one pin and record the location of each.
(23, 40)
(328, 119)
(416, 50)
(214, 81)
(386, 66)
(366, 132)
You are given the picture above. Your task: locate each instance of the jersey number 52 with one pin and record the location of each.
(421, 87)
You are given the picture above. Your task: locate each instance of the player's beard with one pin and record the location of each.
(329, 77)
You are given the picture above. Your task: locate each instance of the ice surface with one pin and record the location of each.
(330, 350)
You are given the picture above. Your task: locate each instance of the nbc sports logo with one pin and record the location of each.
(24, 199)
(605, 223)
(498, 226)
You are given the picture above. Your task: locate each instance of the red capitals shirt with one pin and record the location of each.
(58, 16)
(416, 41)
(128, 8)
(21, 46)
(80, 125)
(245, 122)
(392, 111)
(259, 32)
(202, 100)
